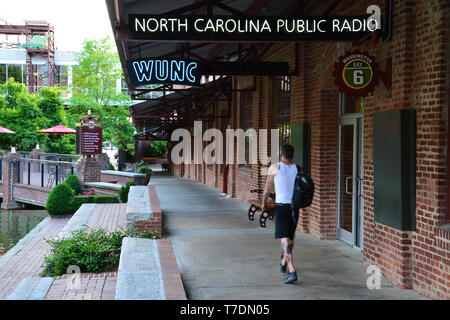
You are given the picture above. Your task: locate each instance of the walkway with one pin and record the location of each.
(223, 255)
(25, 259)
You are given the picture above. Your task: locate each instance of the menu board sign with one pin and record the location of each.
(91, 138)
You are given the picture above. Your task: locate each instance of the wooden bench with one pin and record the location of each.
(255, 205)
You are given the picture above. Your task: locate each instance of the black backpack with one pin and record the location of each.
(303, 190)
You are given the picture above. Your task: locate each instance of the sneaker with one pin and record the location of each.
(291, 278)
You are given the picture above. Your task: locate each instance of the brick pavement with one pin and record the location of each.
(91, 286)
(27, 262)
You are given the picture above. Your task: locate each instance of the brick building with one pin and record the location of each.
(379, 163)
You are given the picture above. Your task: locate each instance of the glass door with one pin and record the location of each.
(350, 193)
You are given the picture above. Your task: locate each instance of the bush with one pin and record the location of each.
(73, 182)
(79, 200)
(60, 200)
(124, 190)
(91, 250)
(111, 167)
(156, 149)
(94, 251)
(142, 167)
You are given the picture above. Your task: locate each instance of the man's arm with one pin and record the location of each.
(273, 170)
(269, 185)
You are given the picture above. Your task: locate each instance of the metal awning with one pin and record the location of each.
(207, 52)
(179, 105)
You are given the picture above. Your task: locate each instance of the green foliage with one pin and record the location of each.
(111, 167)
(124, 190)
(79, 200)
(28, 113)
(156, 149)
(73, 182)
(91, 250)
(143, 167)
(60, 200)
(94, 80)
(146, 234)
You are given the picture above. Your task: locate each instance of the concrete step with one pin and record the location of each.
(148, 271)
(139, 276)
(31, 289)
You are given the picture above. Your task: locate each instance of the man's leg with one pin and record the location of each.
(287, 246)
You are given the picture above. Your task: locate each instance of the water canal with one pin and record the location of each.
(15, 224)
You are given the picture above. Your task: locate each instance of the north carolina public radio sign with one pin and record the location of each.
(254, 28)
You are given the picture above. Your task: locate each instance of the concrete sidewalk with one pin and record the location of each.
(223, 255)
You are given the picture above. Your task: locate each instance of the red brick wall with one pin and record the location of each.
(420, 55)
(38, 194)
(155, 222)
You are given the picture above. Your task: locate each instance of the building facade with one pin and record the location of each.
(379, 162)
(346, 135)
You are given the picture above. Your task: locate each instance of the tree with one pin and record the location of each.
(94, 82)
(28, 113)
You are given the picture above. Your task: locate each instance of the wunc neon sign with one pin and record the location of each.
(154, 70)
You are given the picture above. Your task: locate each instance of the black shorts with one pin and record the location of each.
(285, 221)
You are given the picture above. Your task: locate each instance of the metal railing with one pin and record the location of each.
(44, 173)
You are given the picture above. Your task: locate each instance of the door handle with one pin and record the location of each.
(360, 181)
(346, 185)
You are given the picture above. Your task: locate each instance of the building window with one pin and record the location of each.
(246, 121)
(282, 108)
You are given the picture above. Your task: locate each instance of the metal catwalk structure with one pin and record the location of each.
(40, 51)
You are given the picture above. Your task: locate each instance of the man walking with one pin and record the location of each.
(283, 175)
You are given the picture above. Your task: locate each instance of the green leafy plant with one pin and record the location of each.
(156, 149)
(91, 250)
(60, 200)
(143, 167)
(124, 190)
(73, 182)
(111, 167)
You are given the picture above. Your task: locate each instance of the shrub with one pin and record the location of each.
(79, 200)
(91, 250)
(124, 190)
(73, 182)
(111, 167)
(60, 200)
(94, 251)
(156, 149)
(142, 167)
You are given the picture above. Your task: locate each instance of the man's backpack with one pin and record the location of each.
(303, 190)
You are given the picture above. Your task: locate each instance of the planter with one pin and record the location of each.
(147, 178)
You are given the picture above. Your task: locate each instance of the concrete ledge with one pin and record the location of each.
(122, 177)
(138, 205)
(103, 185)
(123, 173)
(139, 276)
(78, 221)
(31, 289)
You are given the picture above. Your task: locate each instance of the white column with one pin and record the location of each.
(69, 80)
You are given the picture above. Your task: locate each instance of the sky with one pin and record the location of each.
(74, 20)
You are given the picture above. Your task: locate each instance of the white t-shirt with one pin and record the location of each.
(284, 181)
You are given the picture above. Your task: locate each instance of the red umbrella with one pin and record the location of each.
(59, 129)
(4, 130)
